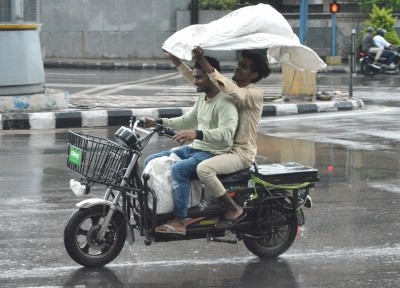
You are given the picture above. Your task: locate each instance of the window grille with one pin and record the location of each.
(5, 10)
(17, 11)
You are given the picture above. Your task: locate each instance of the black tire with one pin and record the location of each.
(90, 252)
(366, 68)
(276, 238)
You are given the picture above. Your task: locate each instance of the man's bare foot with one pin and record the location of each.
(230, 219)
(233, 210)
(233, 214)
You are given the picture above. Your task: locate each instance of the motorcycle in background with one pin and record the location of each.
(369, 69)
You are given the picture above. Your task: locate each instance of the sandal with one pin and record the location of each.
(169, 230)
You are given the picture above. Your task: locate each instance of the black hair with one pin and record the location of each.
(259, 65)
(213, 62)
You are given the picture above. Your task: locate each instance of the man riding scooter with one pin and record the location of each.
(212, 122)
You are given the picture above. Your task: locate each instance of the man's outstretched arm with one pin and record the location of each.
(247, 97)
(186, 72)
(175, 60)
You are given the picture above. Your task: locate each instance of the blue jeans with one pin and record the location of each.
(390, 55)
(182, 172)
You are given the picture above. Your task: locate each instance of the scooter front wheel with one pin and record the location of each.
(81, 237)
(274, 239)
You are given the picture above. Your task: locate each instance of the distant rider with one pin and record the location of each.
(380, 42)
(368, 45)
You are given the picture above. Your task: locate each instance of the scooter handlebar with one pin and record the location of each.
(160, 129)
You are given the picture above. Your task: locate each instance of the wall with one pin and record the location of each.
(137, 28)
(107, 29)
(206, 16)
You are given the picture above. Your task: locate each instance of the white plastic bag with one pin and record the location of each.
(160, 181)
(76, 187)
(251, 27)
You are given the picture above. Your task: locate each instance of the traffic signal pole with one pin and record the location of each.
(333, 50)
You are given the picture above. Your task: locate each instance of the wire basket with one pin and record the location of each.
(97, 159)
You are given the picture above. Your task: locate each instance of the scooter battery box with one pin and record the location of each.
(287, 173)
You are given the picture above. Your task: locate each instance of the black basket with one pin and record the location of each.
(96, 159)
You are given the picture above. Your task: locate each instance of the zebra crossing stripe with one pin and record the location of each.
(113, 86)
(132, 85)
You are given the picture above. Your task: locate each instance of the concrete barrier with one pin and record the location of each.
(50, 100)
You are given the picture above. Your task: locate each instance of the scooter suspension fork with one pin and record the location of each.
(113, 206)
(106, 222)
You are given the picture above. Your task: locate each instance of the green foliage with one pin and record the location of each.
(392, 38)
(383, 18)
(369, 4)
(222, 4)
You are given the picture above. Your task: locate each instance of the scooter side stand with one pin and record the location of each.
(211, 238)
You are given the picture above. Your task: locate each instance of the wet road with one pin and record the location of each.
(350, 238)
(127, 88)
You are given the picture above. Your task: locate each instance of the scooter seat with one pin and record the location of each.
(242, 176)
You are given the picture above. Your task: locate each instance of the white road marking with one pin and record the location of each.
(143, 82)
(361, 112)
(73, 85)
(70, 74)
(348, 254)
(114, 86)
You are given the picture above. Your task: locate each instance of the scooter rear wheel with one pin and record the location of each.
(82, 243)
(276, 238)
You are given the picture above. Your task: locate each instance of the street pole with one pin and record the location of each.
(303, 21)
(194, 12)
(333, 50)
(353, 50)
(352, 62)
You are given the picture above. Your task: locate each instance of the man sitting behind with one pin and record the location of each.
(249, 100)
(213, 120)
(368, 45)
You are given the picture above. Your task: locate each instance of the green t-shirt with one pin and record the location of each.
(217, 118)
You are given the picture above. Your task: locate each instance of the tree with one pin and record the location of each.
(383, 18)
(222, 4)
(369, 4)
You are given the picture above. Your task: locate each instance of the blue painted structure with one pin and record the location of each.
(333, 48)
(303, 21)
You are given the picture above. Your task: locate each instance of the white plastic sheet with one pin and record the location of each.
(160, 181)
(251, 27)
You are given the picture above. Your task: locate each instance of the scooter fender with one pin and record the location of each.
(87, 203)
